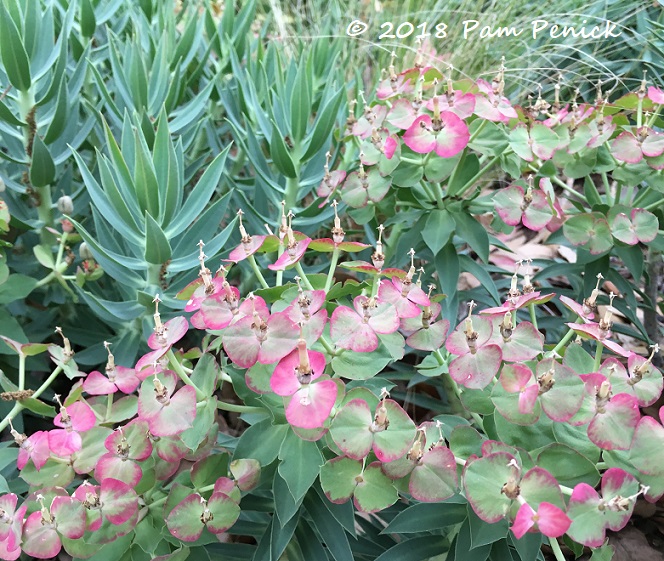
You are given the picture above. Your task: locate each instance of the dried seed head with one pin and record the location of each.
(605, 323)
(378, 257)
(391, 70)
(67, 352)
(411, 270)
(506, 327)
(590, 303)
(417, 449)
(337, 232)
(514, 291)
(159, 327)
(642, 88)
(246, 238)
(527, 285)
(110, 363)
(498, 83)
(469, 331)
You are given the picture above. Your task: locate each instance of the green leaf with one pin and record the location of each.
(361, 366)
(59, 121)
(482, 533)
(207, 470)
(8, 117)
(473, 233)
(528, 547)
(481, 274)
(447, 268)
(16, 287)
(39, 407)
(470, 167)
(300, 464)
(416, 549)
(261, 441)
(491, 140)
(329, 529)
(145, 179)
(166, 167)
(44, 256)
(199, 196)
(203, 422)
(88, 20)
(300, 101)
(13, 54)
(567, 465)
(464, 550)
(280, 155)
(439, 228)
(42, 168)
(423, 517)
(578, 359)
(205, 373)
(285, 505)
(632, 257)
(325, 121)
(604, 553)
(157, 248)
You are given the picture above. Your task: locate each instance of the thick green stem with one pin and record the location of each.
(607, 187)
(455, 171)
(598, 355)
(257, 271)
(562, 343)
(109, 405)
(18, 406)
(653, 117)
(411, 161)
(154, 272)
(303, 275)
(333, 268)
(557, 552)
(533, 315)
(478, 130)
(234, 408)
(489, 165)
(327, 345)
(175, 363)
(618, 196)
(26, 101)
(280, 274)
(641, 196)
(375, 286)
(21, 372)
(44, 210)
(292, 187)
(654, 206)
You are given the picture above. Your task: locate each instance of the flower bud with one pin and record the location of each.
(65, 204)
(2, 185)
(84, 252)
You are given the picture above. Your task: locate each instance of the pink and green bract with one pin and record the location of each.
(167, 412)
(311, 398)
(357, 329)
(256, 338)
(446, 136)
